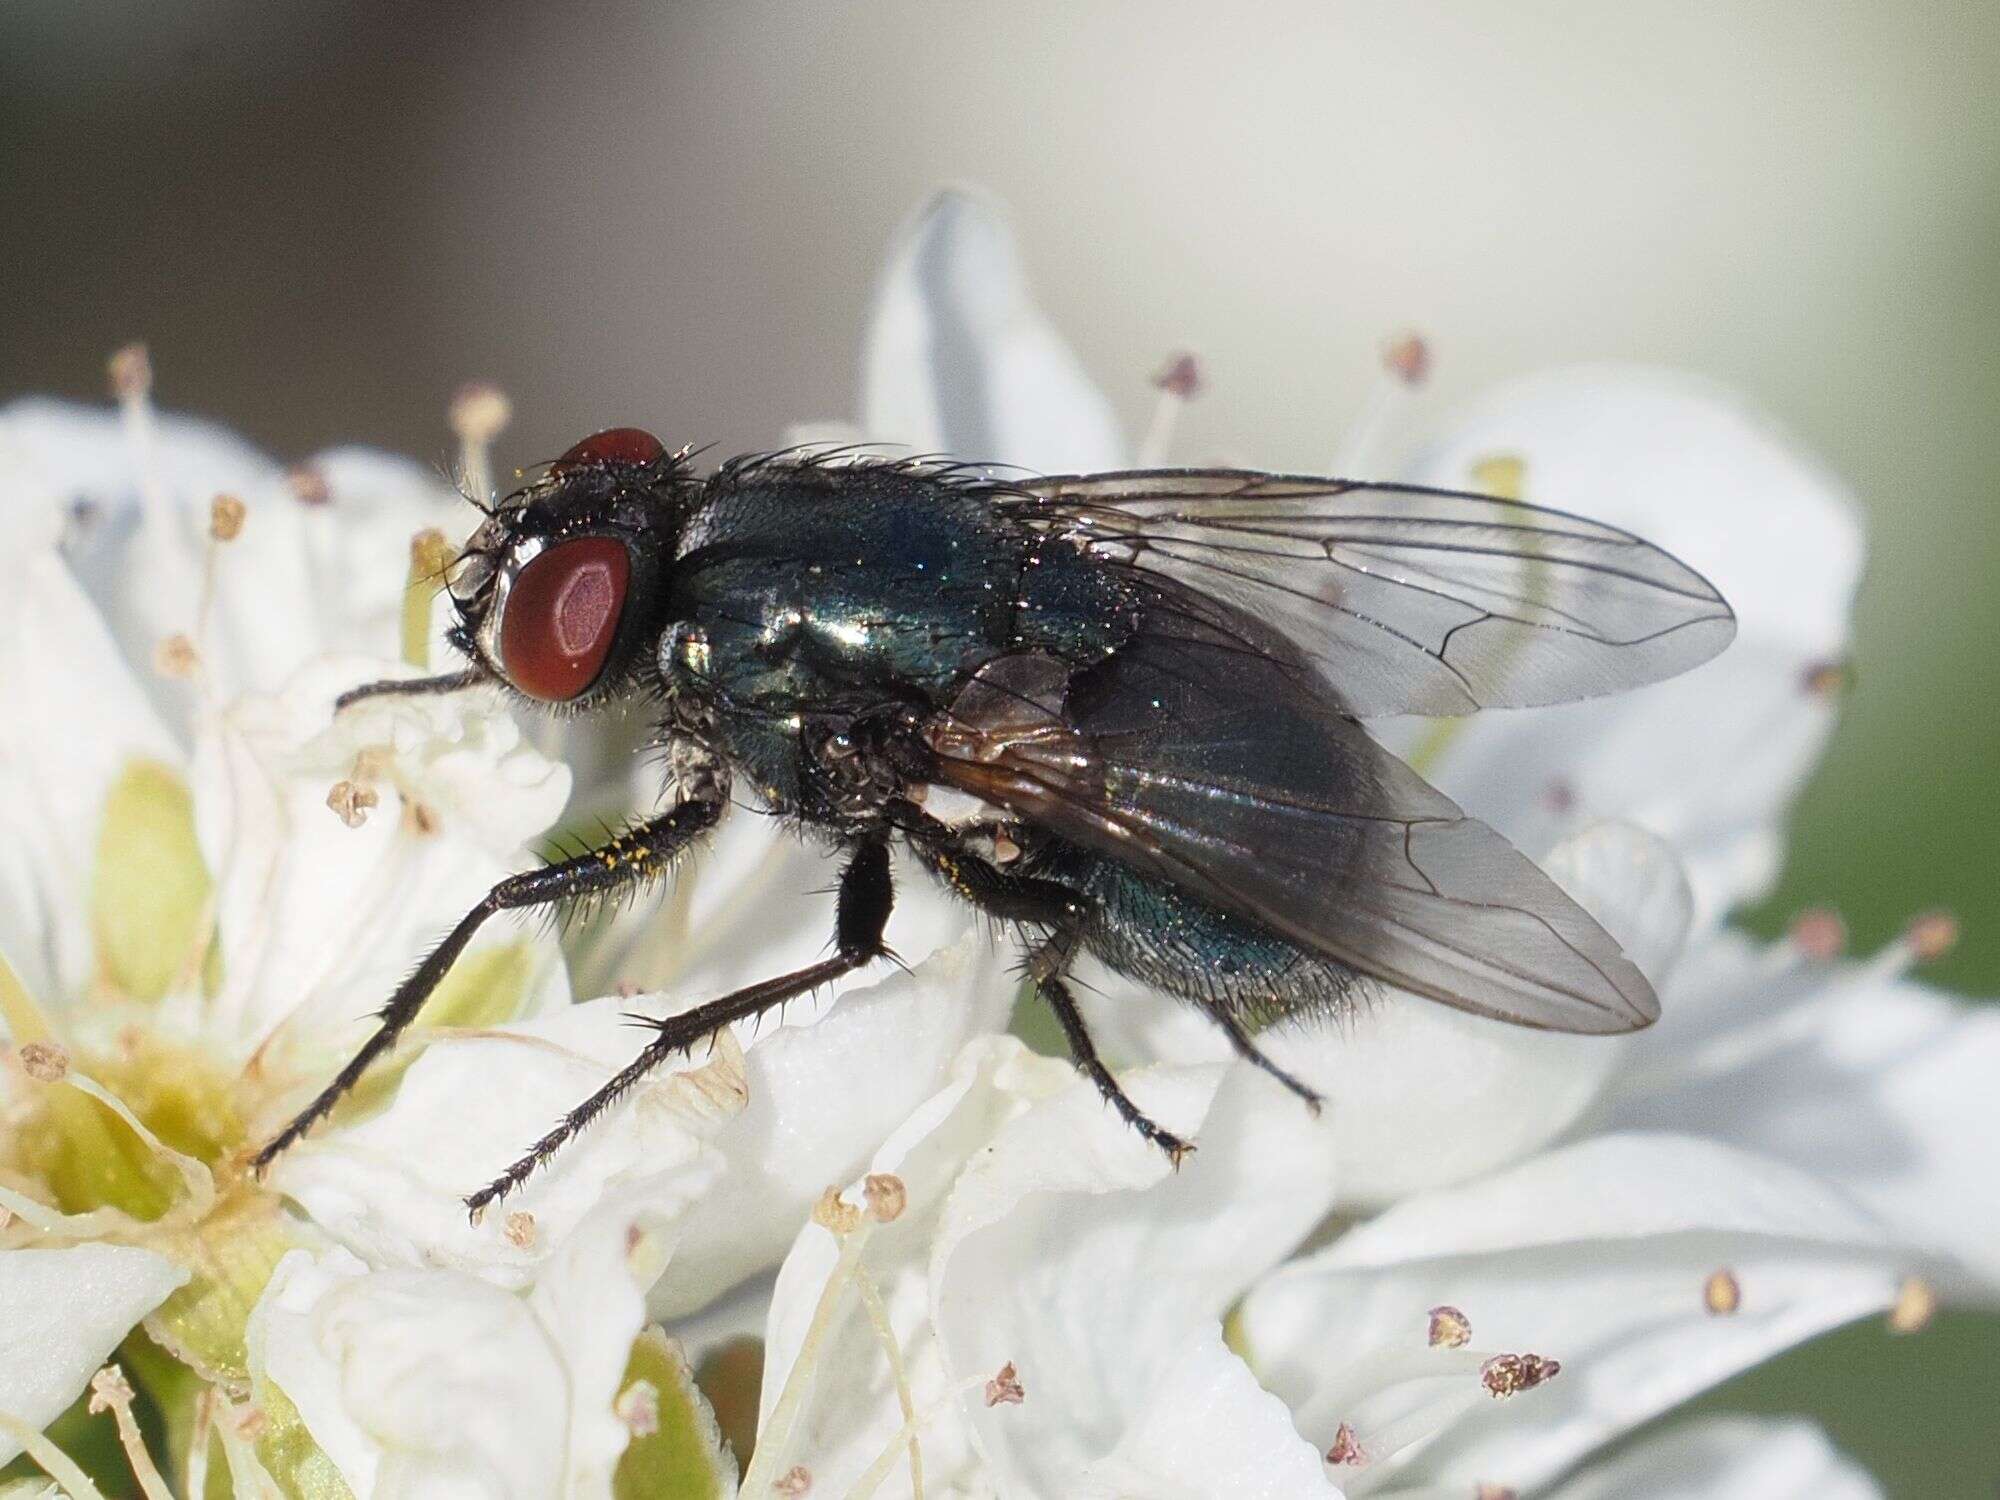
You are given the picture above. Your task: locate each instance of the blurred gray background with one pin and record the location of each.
(324, 218)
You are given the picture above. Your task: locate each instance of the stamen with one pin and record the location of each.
(430, 561)
(55, 1463)
(1178, 382)
(1722, 1293)
(480, 412)
(1915, 1306)
(110, 1391)
(130, 370)
(885, 1334)
(1405, 364)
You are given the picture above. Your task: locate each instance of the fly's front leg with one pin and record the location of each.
(412, 687)
(867, 895)
(629, 859)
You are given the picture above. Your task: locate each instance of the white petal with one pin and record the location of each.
(849, 1411)
(1071, 1251)
(1727, 1458)
(959, 361)
(1599, 1255)
(392, 1187)
(1866, 1080)
(319, 921)
(1040, 1231)
(822, 1097)
(1712, 759)
(75, 718)
(419, 1383)
(1208, 1429)
(1420, 1095)
(64, 1312)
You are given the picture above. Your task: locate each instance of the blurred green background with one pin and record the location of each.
(324, 218)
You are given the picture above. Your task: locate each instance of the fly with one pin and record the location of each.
(1122, 713)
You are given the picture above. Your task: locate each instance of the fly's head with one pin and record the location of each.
(559, 592)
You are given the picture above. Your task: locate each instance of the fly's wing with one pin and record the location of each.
(1410, 600)
(1231, 775)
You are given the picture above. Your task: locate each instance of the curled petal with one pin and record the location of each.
(960, 361)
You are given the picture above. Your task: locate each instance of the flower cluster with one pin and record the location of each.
(878, 1246)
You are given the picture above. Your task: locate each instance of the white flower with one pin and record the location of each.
(1609, 1248)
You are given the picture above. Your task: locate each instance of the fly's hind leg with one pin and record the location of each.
(1247, 1049)
(1046, 965)
(866, 898)
(1060, 912)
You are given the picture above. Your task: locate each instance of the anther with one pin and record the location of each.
(176, 658)
(795, 1481)
(1931, 936)
(1005, 1389)
(45, 1062)
(308, 485)
(1828, 680)
(1407, 356)
(225, 518)
(1507, 1375)
(835, 1214)
(1914, 1307)
(1346, 1447)
(130, 372)
(351, 801)
(1819, 933)
(1449, 1328)
(886, 1196)
(1722, 1293)
(1501, 474)
(520, 1229)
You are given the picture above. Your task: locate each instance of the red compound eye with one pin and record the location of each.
(562, 616)
(614, 445)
